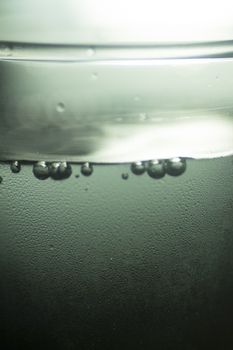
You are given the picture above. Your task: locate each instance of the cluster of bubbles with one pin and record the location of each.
(55, 170)
(58, 170)
(157, 169)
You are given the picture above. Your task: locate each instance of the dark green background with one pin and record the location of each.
(105, 263)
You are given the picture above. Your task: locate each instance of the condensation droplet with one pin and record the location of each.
(15, 166)
(138, 168)
(156, 169)
(60, 107)
(90, 52)
(175, 166)
(60, 170)
(125, 176)
(41, 170)
(87, 169)
(1, 179)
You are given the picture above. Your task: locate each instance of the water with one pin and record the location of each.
(138, 168)
(15, 166)
(87, 169)
(41, 170)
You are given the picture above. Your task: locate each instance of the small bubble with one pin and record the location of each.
(60, 170)
(175, 166)
(60, 107)
(90, 52)
(1, 179)
(41, 170)
(125, 176)
(138, 168)
(94, 76)
(156, 169)
(87, 169)
(15, 166)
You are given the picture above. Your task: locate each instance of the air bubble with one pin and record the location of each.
(41, 170)
(60, 170)
(125, 176)
(87, 169)
(60, 107)
(175, 166)
(15, 166)
(138, 168)
(156, 169)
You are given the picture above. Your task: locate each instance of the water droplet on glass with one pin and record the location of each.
(90, 52)
(41, 170)
(138, 168)
(60, 107)
(175, 166)
(86, 169)
(125, 176)
(15, 166)
(156, 169)
(60, 170)
(1, 179)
